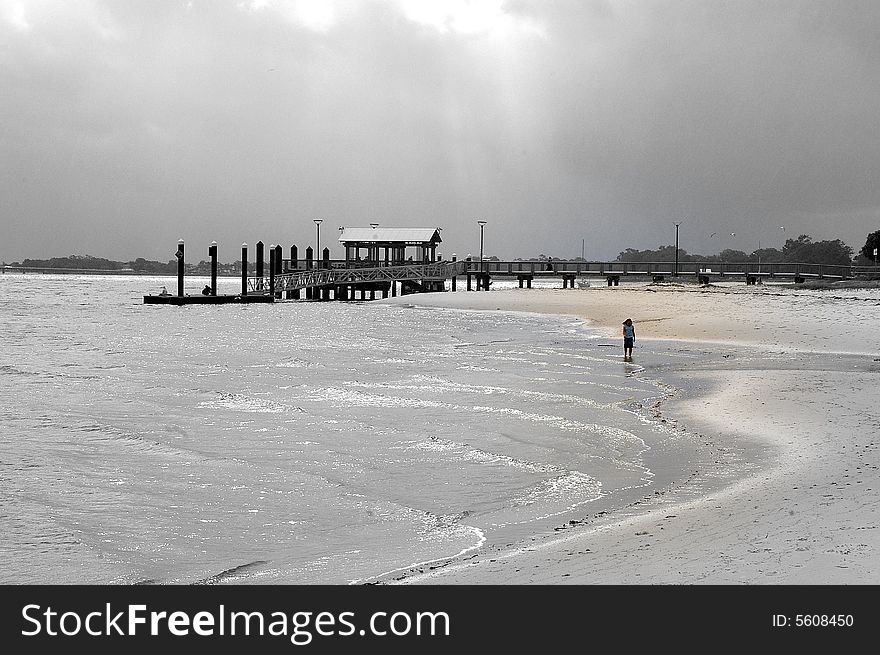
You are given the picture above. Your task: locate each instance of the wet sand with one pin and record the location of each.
(785, 396)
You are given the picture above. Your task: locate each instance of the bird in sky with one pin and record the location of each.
(712, 235)
(733, 234)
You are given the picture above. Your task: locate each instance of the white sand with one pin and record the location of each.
(807, 512)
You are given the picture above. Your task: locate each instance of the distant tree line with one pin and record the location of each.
(139, 266)
(803, 249)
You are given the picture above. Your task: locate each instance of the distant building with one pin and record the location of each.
(390, 245)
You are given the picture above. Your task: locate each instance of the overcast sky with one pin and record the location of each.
(125, 125)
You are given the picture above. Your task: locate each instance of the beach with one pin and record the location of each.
(783, 389)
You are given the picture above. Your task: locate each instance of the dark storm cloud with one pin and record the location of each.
(130, 124)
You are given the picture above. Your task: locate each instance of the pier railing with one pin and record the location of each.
(320, 277)
(586, 268)
(694, 268)
(311, 273)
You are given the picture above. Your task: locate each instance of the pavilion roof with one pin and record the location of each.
(409, 235)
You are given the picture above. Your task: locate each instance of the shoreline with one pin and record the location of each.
(793, 502)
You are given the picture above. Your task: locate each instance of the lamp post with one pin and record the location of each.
(481, 224)
(675, 272)
(317, 239)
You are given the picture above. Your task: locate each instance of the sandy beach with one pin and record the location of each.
(785, 394)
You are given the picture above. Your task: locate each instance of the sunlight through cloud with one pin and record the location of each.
(14, 14)
(469, 17)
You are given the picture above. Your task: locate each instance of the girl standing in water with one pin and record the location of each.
(629, 337)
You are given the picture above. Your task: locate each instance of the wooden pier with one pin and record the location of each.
(326, 279)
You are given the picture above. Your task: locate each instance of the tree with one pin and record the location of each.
(728, 255)
(766, 255)
(871, 243)
(804, 249)
(661, 254)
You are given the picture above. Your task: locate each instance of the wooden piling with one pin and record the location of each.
(180, 268)
(309, 264)
(244, 269)
(260, 265)
(294, 265)
(272, 270)
(212, 252)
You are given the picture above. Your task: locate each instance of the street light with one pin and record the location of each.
(318, 222)
(675, 273)
(481, 224)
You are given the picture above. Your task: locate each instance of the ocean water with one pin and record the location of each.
(301, 442)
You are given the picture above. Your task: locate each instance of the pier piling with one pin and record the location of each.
(244, 269)
(180, 268)
(294, 265)
(212, 253)
(272, 270)
(310, 291)
(260, 265)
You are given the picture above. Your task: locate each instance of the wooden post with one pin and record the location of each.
(272, 270)
(309, 263)
(279, 262)
(212, 251)
(180, 267)
(244, 271)
(325, 264)
(294, 265)
(453, 272)
(260, 266)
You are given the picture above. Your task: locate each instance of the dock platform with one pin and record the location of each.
(207, 300)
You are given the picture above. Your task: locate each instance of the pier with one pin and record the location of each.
(399, 261)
